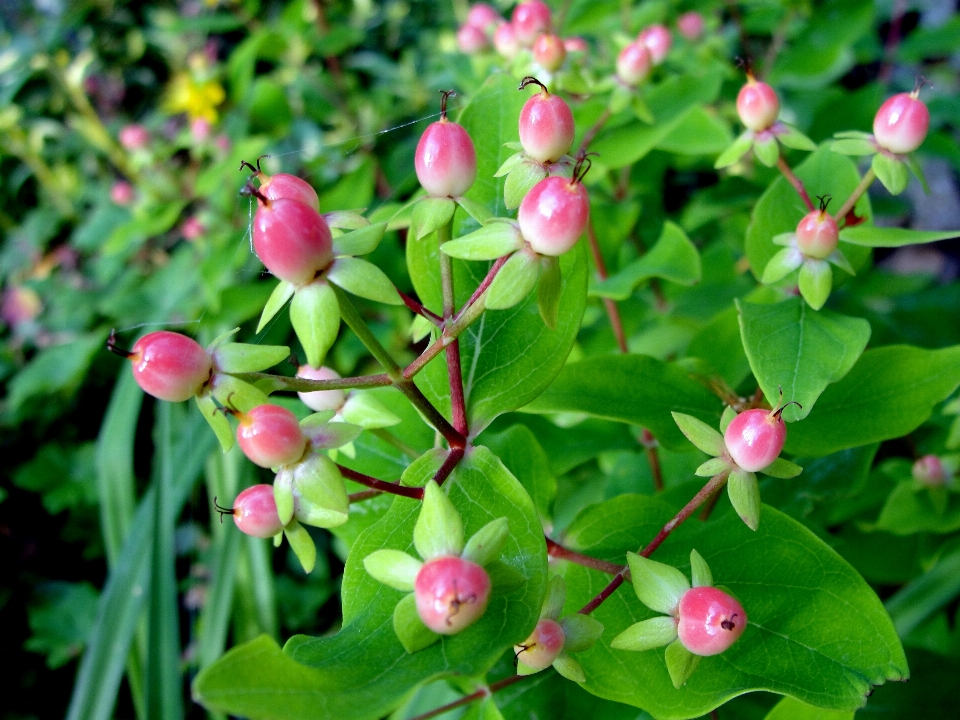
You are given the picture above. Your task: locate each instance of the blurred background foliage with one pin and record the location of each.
(100, 234)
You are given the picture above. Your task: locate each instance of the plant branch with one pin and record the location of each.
(613, 314)
(458, 404)
(299, 384)
(591, 133)
(795, 181)
(364, 495)
(857, 193)
(714, 484)
(452, 460)
(420, 308)
(480, 694)
(381, 485)
(557, 550)
(650, 445)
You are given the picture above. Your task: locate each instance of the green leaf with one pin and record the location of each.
(700, 434)
(278, 298)
(673, 258)
(909, 510)
(923, 596)
(431, 213)
(54, 370)
(439, 529)
(363, 279)
(658, 586)
(359, 242)
(892, 172)
(485, 544)
(701, 132)
(745, 496)
(870, 236)
(61, 620)
(393, 568)
(548, 291)
(315, 315)
(680, 663)
(245, 358)
(792, 709)
(410, 630)
(475, 210)
(740, 147)
(363, 672)
(520, 451)
(514, 282)
(488, 243)
(635, 389)
(887, 394)
(793, 348)
(647, 634)
(816, 631)
(780, 208)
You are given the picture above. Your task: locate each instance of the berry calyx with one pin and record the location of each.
(167, 365)
(529, 20)
(282, 185)
(549, 52)
(254, 512)
(555, 212)
(484, 16)
(292, 239)
(929, 471)
(542, 647)
(818, 233)
(709, 621)
(757, 105)
(546, 124)
(754, 438)
(633, 63)
(505, 41)
(445, 161)
(451, 593)
(320, 400)
(690, 25)
(270, 436)
(471, 39)
(901, 123)
(658, 41)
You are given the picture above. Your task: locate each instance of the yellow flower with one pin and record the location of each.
(198, 99)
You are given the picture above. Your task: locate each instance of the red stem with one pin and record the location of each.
(795, 181)
(612, 312)
(590, 134)
(556, 550)
(452, 460)
(485, 283)
(381, 485)
(467, 699)
(714, 484)
(650, 445)
(419, 308)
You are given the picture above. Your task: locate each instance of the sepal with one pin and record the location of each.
(217, 420)
(790, 137)
(431, 213)
(781, 265)
(474, 209)
(315, 315)
(346, 220)
(703, 436)
(853, 146)
(394, 568)
(359, 242)
(745, 496)
(815, 281)
(236, 394)
(520, 181)
(278, 298)
(364, 410)
(737, 149)
(487, 542)
(580, 632)
(439, 529)
(712, 467)
(783, 469)
(245, 358)
(727, 417)
(700, 575)
(549, 290)
(892, 172)
(569, 668)
(302, 545)
(410, 630)
(767, 150)
(555, 599)
(319, 495)
(647, 634)
(680, 663)
(514, 281)
(363, 279)
(658, 586)
(490, 242)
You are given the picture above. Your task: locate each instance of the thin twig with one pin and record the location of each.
(795, 181)
(449, 464)
(590, 134)
(420, 308)
(458, 405)
(556, 550)
(650, 445)
(858, 191)
(480, 694)
(613, 313)
(893, 40)
(381, 485)
(299, 384)
(363, 495)
(715, 483)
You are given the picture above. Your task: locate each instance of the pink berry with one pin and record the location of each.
(483, 16)
(710, 621)
(542, 647)
(529, 19)
(554, 214)
(549, 52)
(505, 41)
(255, 512)
(575, 45)
(757, 105)
(170, 366)
(471, 39)
(817, 234)
(20, 305)
(633, 63)
(445, 161)
(690, 25)
(901, 123)
(754, 438)
(134, 137)
(546, 125)
(320, 400)
(289, 187)
(658, 41)
(192, 228)
(122, 193)
(451, 593)
(292, 240)
(200, 129)
(929, 470)
(270, 436)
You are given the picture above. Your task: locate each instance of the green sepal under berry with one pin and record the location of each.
(394, 568)
(521, 180)
(410, 630)
(439, 529)
(364, 410)
(680, 663)
(727, 417)
(744, 494)
(647, 634)
(781, 265)
(278, 298)
(315, 315)
(789, 136)
(363, 279)
(815, 282)
(246, 358)
(325, 435)
(549, 290)
(235, 394)
(346, 220)
(569, 668)
(555, 599)
(485, 544)
(359, 242)
(767, 150)
(580, 632)
(700, 575)
(319, 494)
(855, 146)
(703, 436)
(430, 214)
(515, 280)
(892, 172)
(783, 469)
(737, 149)
(658, 586)
(492, 241)
(302, 545)
(217, 420)
(711, 467)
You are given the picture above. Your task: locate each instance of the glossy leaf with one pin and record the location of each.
(798, 350)
(816, 630)
(870, 236)
(792, 709)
